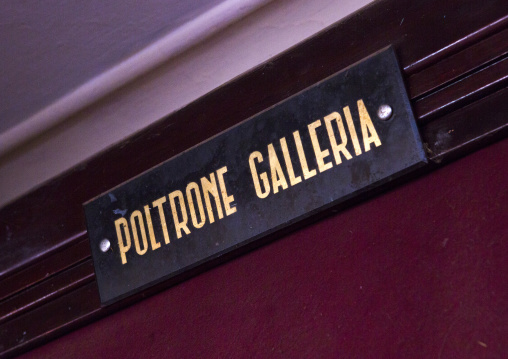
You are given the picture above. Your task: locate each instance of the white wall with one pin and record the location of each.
(185, 64)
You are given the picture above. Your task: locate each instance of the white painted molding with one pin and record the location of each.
(187, 36)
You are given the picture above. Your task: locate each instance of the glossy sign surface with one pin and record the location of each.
(309, 152)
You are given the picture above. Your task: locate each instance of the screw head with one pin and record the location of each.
(104, 245)
(384, 112)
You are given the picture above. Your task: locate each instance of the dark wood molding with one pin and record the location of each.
(454, 56)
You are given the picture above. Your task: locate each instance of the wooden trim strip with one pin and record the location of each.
(44, 269)
(455, 67)
(467, 128)
(462, 92)
(46, 291)
(50, 320)
(451, 49)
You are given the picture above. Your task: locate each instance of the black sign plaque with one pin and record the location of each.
(342, 136)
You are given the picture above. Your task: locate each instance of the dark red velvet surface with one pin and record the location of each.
(420, 271)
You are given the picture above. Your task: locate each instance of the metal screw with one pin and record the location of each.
(105, 245)
(384, 112)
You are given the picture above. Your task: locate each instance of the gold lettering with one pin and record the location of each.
(337, 149)
(122, 222)
(225, 198)
(195, 187)
(255, 178)
(210, 187)
(367, 126)
(137, 215)
(183, 224)
(278, 178)
(154, 243)
(158, 203)
(301, 155)
(320, 155)
(352, 131)
(289, 165)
